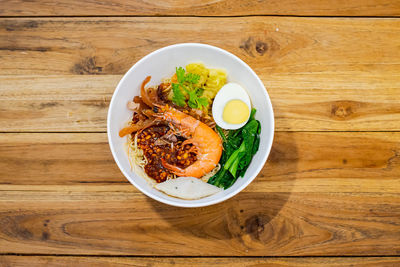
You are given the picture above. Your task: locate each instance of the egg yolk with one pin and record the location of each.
(235, 112)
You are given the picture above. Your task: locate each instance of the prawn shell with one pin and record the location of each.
(207, 142)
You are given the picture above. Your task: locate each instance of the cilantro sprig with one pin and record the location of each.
(178, 98)
(186, 82)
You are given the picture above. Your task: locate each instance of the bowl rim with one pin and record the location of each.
(188, 204)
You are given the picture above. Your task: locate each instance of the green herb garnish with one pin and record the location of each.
(180, 74)
(178, 98)
(186, 83)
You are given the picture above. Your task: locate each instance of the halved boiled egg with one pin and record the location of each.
(231, 107)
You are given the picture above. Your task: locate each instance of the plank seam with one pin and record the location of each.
(178, 256)
(199, 16)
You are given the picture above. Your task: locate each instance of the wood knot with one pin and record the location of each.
(261, 47)
(87, 66)
(253, 47)
(255, 226)
(343, 110)
(45, 236)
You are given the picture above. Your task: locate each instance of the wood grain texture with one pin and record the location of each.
(60, 261)
(308, 102)
(300, 162)
(200, 8)
(322, 74)
(270, 45)
(110, 222)
(55, 103)
(331, 186)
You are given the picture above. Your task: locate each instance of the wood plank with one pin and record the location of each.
(322, 74)
(299, 162)
(301, 102)
(55, 103)
(270, 45)
(59, 261)
(200, 8)
(57, 159)
(108, 222)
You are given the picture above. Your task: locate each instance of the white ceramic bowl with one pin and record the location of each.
(161, 63)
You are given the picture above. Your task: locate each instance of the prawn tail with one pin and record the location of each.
(176, 170)
(192, 149)
(188, 142)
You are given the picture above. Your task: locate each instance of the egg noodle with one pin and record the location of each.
(137, 161)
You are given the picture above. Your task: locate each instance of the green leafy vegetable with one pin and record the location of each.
(186, 82)
(202, 101)
(192, 78)
(195, 101)
(180, 74)
(192, 99)
(178, 98)
(239, 148)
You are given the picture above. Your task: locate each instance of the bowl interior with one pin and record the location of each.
(162, 63)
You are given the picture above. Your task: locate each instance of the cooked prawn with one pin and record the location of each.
(208, 144)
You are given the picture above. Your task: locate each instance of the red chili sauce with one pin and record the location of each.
(175, 154)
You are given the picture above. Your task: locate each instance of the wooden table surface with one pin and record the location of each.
(329, 193)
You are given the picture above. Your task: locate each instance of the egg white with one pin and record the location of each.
(228, 92)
